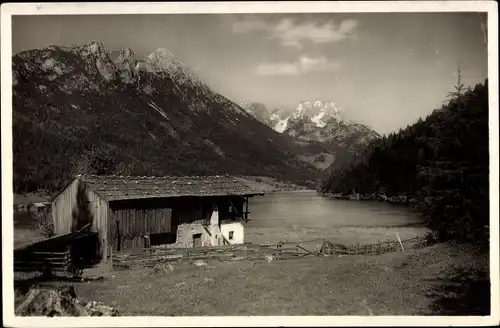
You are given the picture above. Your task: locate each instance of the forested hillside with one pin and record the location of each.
(84, 109)
(440, 164)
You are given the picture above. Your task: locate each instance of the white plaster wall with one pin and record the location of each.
(238, 232)
(185, 234)
(215, 230)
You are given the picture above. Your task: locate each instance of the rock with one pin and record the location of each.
(237, 258)
(270, 258)
(59, 302)
(50, 302)
(200, 263)
(98, 309)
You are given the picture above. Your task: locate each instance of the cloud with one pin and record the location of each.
(303, 65)
(248, 25)
(293, 34)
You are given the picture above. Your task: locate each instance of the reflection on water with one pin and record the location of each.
(304, 214)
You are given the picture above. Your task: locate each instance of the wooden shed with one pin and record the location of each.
(136, 212)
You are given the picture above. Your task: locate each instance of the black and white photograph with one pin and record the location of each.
(238, 162)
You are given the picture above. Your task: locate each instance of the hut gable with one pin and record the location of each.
(113, 188)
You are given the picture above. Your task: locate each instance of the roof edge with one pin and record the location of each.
(63, 188)
(110, 199)
(81, 177)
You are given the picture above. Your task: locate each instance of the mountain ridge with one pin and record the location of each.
(88, 109)
(318, 123)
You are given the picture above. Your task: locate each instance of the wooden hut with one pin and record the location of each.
(136, 212)
(38, 207)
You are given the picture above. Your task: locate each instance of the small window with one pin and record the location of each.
(231, 234)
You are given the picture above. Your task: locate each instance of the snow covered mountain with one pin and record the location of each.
(317, 122)
(317, 111)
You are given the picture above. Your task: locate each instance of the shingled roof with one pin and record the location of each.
(127, 187)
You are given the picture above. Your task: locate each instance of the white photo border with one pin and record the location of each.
(114, 8)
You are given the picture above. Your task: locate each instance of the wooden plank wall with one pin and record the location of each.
(99, 210)
(66, 203)
(137, 218)
(62, 209)
(135, 223)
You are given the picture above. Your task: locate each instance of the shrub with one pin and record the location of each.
(45, 223)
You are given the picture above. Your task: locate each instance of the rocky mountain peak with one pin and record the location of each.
(319, 111)
(314, 122)
(126, 62)
(94, 47)
(163, 61)
(95, 53)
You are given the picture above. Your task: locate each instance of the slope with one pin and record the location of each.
(85, 110)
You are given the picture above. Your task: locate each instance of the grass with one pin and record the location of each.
(25, 230)
(443, 279)
(32, 197)
(410, 283)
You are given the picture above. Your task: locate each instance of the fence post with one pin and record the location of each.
(111, 256)
(400, 243)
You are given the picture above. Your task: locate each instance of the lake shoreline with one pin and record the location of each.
(404, 200)
(271, 185)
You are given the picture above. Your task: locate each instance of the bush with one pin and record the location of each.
(45, 223)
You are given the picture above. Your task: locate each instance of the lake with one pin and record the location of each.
(302, 216)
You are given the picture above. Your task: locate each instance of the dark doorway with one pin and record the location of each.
(162, 238)
(197, 240)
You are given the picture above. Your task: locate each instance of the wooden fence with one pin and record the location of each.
(281, 251)
(40, 261)
(68, 253)
(328, 248)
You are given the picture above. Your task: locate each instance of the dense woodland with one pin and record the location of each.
(441, 164)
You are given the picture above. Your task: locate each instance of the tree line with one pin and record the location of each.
(440, 163)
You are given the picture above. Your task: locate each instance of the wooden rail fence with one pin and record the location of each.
(283, 250)
(39, 261)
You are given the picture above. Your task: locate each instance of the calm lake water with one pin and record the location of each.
(303, 215)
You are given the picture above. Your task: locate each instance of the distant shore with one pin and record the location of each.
(398, 200)
(268, 184)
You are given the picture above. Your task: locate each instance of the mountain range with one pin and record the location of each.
(85, 109)
(317, 123)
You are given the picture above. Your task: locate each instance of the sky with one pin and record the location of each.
(384, 69)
